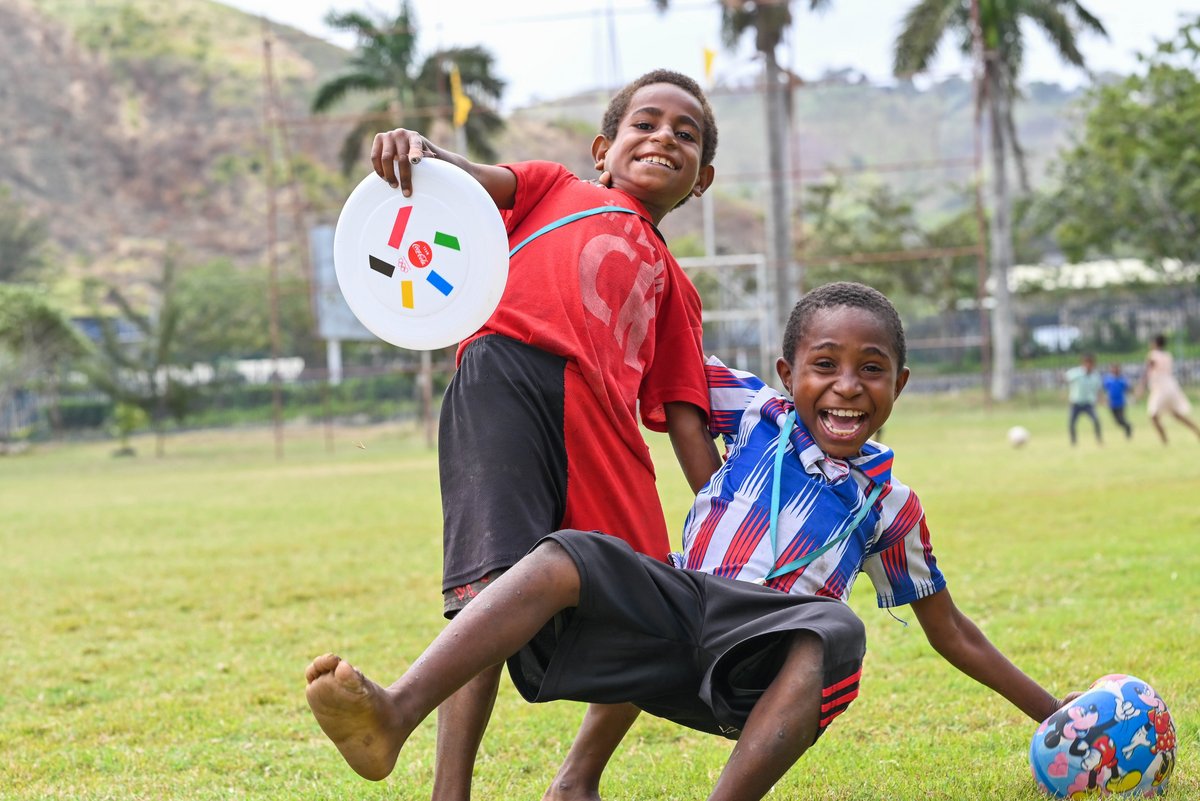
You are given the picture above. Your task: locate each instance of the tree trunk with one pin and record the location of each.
(780, 268)
(1003, 327)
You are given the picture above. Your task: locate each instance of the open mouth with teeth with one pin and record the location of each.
(659, 160)
(843, 424)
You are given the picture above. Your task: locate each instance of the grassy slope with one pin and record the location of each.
(159, 614)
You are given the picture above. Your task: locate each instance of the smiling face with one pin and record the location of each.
(844, 377)
(655, 154)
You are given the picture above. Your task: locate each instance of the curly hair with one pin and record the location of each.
(841, 294)
(619, 105)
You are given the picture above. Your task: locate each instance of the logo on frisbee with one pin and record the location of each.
(420, 254)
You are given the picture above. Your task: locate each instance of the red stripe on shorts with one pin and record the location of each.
(837, 697)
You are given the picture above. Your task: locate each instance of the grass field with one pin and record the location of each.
(158, 614)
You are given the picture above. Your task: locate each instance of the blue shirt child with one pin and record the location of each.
(1116, 386)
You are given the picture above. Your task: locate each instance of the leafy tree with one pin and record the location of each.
(769, 21)
(138, 337)
(409, 92)
(36, 342)
(1131, 181)
(23, 240)
(876, 236)
(995, 29)
(223, 315)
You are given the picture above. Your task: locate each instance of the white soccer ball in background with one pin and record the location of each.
(1018, 436)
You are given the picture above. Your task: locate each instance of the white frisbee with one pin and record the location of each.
(426, 271)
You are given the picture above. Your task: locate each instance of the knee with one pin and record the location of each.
(852, 629)
(552, 556)
(551, 561)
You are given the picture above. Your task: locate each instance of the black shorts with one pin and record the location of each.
(502, 459)
(682, 645)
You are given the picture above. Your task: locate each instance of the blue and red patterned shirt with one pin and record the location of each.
(727, 531)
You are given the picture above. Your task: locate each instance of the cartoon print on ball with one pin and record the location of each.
(1115, 738)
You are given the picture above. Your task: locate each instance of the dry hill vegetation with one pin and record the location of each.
(128, 121)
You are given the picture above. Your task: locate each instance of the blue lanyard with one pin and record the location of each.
(784, 434)
(570, 218)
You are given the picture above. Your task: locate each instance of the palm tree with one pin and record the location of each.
(409, 93)
(992, 28)
(770, 21)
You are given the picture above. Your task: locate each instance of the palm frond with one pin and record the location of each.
(921, 34)
(1058, 29)
(335, 89)
(477, 67)
(1086, 18)
(354, 22)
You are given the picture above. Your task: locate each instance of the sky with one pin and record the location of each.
(547, 49)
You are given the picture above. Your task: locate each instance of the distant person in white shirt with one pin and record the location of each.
(1165, 393)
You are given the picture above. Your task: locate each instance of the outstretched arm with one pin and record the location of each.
(953, 635)
(393, 153)
(693, 444)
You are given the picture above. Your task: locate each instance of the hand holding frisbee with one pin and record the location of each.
(424, 271)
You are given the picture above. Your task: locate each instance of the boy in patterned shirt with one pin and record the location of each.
(803, 504)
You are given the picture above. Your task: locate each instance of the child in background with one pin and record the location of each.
(1116, 386)
(1083, 392)
(539, 426)
(804, 502)
(1165, 393)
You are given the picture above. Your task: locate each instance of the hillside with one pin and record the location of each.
(128, 125)
(917, 139)
(122, 121)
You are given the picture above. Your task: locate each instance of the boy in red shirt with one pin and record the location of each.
(598, 325)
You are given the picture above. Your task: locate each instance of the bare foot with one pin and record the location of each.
(360, 717)
(563, 789)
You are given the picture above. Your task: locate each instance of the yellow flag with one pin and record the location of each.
(462, 103)
(709, 56)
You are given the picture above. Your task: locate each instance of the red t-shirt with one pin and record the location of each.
(604, 292)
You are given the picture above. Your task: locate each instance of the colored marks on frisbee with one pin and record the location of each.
(381, 266)
(398, 227)
(439, 283)
(420, 254)
(445, 240)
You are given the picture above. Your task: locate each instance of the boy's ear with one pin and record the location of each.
(785, 374)
(901, 381)
(704, 180)
(600, 147)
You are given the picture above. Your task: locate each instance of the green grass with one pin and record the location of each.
(157, 614)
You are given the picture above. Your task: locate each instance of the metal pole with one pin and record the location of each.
(985, 340)
(272, 266)
(779, 228)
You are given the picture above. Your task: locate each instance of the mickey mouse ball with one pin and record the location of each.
(1115, 738)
